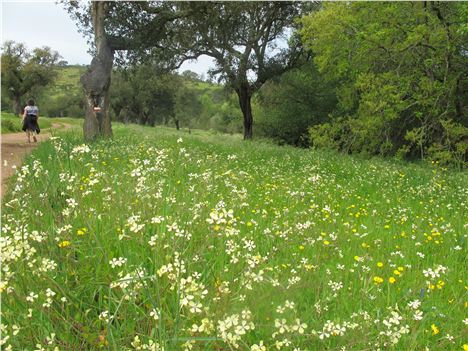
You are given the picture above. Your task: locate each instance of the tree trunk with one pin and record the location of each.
(96, 80)
(141, 118)
(459, 100)
(244, 95)
(177, 124)
(16, 105)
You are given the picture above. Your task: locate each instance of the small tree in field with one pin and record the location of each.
(25, 72)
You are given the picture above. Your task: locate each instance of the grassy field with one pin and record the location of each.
(12, 124)
(156, 240)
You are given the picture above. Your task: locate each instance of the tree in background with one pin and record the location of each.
(401, 76)
(295, 101)
(143, 95)
(25, 72)
(242, 38)
(132, 27)
(64, 98)
(187, 108)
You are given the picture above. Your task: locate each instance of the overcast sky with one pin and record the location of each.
(44, 23)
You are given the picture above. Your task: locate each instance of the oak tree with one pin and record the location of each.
(244, 39)
(25, 72)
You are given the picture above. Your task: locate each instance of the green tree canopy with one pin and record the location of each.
(143, 94)
(25, 72)
(243, 39)
(402, 73)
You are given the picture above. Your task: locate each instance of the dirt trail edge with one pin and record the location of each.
(15, 147)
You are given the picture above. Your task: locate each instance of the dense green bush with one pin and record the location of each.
(288, 106)
(401, 75)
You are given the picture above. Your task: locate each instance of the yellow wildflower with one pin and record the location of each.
(378, 280)
(64, 243)
(435, 330)
(81, 231)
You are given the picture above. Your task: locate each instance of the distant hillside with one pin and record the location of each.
(64, 98)
(216, 91)
(68, 81)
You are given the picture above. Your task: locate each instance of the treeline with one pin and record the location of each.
(40, 74)
(144, 95)
(284, 109)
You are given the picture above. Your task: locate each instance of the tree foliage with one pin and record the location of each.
(401, 74)
(289, 105)
(143, 95)
(26, 72)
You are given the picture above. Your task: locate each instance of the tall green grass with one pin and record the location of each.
(13, 124)
(163, 240)
(10, 123)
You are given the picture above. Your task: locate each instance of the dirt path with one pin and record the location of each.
(15, 147)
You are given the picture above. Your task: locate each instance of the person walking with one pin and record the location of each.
(30, 120)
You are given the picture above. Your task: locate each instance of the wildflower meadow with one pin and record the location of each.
(164, 240)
